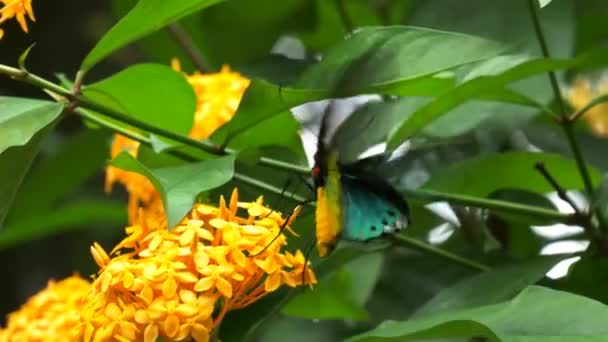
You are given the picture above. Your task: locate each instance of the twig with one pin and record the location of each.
(424, 247)
(565, 121)
(343, 13)
(583, 219)
(187, 44)
(596, 101)
(540, 167)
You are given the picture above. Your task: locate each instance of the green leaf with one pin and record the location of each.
(372, 60)
(146, 17)
(24, 124)
(386, 59)
(349, 288)
(262, 101)
(82, 215)
(179, 185)
(330, 299)
(513, 170)
(153, 93)
(494, 286)
(21, 118)
(483, 85)
(584, 275)
(537, 314)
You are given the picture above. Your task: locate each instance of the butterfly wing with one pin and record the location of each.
(370, 209)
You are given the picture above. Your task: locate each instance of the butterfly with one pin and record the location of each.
(352, 203)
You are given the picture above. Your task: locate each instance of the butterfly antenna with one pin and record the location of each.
(281, 197)
(281, 229)
(308, 185)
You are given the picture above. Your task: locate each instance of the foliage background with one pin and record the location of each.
(248, 32)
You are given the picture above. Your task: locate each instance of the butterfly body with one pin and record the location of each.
(352, 205)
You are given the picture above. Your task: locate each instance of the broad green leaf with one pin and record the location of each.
(584, 275)
(81, 215)
(153, 93)
(179, 185)
(24, 124)
(512, 170)
(494, 286)
(21, 118)
(485, 84)
(54, 177)
(330, 299)
(396, 60)
(146, 17)
(537, 314)
(375, 59)
(261, 102)
(279, 130)
(343, 294)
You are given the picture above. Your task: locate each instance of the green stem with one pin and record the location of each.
(565, 122)
(596, 101)
(206, 146)
(84, 102)
(491, 204)
(148, 142)
(60, 93)
(344, 17)
(430, 249)
(184, 40)
(413, 243)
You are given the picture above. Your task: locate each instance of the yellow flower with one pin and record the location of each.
(180, 283)
(581, 93)
(16, 9)
(218, 96)
(50, 315)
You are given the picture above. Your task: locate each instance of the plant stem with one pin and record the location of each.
(60, 93)
(430, 249)
(343, 13)
(187, 44)
(26, 77)
(404, 240)
(596, 101)
(565, 122)
(491, 204)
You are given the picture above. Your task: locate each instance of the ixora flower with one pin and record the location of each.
(52, 314)
(581, 93)
(180, 283)
(218, 96)
(18, 9)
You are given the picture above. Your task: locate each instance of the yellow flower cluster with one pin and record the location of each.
(218, 96)
(180, 283)
(581, 93)
(51, 314)
(18, 9)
